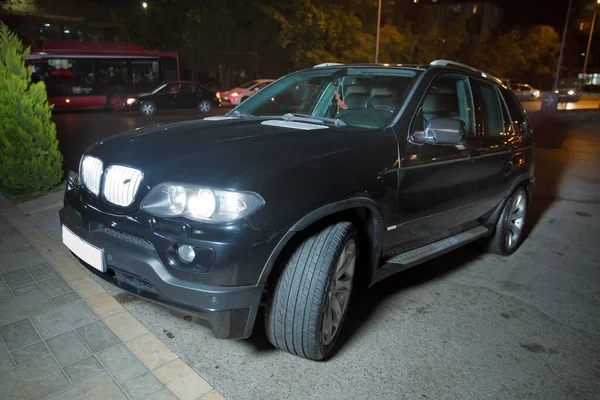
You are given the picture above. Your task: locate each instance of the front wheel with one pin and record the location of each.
(509, 228)
(308, 305)
(147, 108)
(204, 106)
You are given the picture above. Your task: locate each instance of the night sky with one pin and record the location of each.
(524, 13)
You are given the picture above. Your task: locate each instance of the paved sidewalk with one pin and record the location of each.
(62, 336)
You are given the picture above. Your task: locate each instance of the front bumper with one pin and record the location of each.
(134, 264)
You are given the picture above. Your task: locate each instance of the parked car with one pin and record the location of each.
(175, 95)
(327, 179)
(238, 94)
(525, 92)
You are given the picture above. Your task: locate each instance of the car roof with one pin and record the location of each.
(438, 64)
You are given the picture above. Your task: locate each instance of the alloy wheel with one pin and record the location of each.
(338, 296)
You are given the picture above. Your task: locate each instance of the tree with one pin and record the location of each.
(29, 157)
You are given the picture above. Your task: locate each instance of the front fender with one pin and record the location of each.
(323, 212)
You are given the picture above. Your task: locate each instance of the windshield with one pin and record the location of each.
(158, 88)
(248, 84)
(367, 97)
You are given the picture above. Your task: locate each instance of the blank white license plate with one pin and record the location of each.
(82, 249)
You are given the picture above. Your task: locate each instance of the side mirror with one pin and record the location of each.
(442, 131)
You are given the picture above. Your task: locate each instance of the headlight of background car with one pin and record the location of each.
(200, 203)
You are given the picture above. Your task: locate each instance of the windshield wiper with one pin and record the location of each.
(308, 118)
(236, 113)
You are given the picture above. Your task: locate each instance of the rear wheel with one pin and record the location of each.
(307, 308)
(204, 106)
(509, 228)
(147, 108)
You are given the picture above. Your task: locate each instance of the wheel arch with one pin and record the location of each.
(363, 212)
(524, 181)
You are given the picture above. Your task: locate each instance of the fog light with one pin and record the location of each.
(186, 253)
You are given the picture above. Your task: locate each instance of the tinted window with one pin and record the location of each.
(248, 84)
(447, 97)
(64, 71)
(487, 107)
(112, 72)
(145, 72)
(516, 112)
(187, 88)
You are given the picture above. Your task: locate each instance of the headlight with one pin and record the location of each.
(234, 94)
(571, 92)
(200, 203)
(130, 101)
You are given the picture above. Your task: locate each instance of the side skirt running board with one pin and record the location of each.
(421, 254)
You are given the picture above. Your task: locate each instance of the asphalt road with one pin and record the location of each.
(464, 326)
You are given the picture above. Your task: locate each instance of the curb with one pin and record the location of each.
(164, 364)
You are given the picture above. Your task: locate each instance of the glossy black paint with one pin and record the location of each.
(404, 193)
(189, 96)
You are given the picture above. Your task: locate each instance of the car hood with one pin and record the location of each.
(229, 153)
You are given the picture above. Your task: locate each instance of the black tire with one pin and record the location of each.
(504, 241)
(295, 311)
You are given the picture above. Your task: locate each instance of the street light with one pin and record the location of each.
(562, 47)
(587, 53)
(144, 5)
(377, 39)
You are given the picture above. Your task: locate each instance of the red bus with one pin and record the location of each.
(99, 74)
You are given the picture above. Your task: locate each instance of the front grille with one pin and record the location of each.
(121, 184)
(91, 173)
(127, 237)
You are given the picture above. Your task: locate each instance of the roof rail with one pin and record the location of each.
(448, 63)
(331, 64)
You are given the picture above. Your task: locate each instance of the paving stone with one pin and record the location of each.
(151, 350)
(213, 395)
(4, 291)
(22, 249)
(83, 368)
(4, 249)
(65, 298)
(41, 271)
(7, 231)
(55, 287)
(104, 305)
(31, 352)
(24, 306)
(26, 289)
(33, 380)
(141, 386)
(125, 326)
(19, 334)
(96, 387)
(22, 260)
(121, 363)
(15, 241)
(97, 336)
(182, 380)
(5, 361)
(63, 318)
(67, 348)
(17, 278)
(164, 394)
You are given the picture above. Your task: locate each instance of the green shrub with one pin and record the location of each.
(29, 156)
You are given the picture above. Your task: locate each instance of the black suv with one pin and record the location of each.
(330, 177)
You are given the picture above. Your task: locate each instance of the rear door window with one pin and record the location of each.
(516, 112)
(488, 111)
